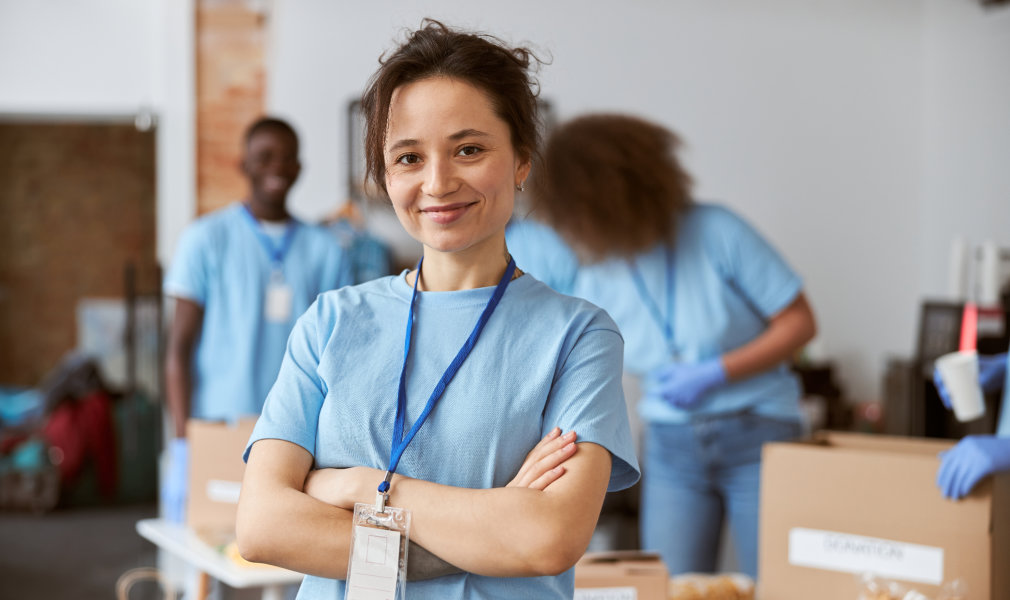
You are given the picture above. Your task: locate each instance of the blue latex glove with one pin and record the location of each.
(175, 487)
(684, 384)
(973, 458)
(991, 374)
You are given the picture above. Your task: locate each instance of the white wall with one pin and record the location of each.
(966, 138)
(109, 60)
(806, 119)
(72, 57)
(860, 136)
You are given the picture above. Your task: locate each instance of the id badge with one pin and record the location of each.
(279, 300)
(377, 569)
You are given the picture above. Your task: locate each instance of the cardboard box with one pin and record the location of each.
(621, 575)
(846, 504)
(215, 476)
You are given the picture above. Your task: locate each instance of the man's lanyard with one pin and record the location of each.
(665, 324)
(276, 253)
(400, 442)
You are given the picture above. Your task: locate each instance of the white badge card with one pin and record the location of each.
(377, 569)
(279, 301)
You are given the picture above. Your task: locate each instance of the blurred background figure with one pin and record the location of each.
(369, 256)
(710, 315)
(240, 278)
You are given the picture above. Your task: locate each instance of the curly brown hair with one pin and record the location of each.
(483, 61)
(611, 185)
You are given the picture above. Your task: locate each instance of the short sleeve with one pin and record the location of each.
(291, 410)
(541, 252)
(588, 397)
(189, 273)
(752, 265)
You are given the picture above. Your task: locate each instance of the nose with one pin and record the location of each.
(439, 178)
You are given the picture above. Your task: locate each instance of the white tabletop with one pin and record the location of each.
(184, 543)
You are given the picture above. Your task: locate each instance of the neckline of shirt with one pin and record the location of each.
(456, 298)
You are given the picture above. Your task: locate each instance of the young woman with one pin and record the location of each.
(710, 314)
(451, 135)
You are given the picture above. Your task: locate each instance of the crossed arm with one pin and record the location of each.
(539, 524)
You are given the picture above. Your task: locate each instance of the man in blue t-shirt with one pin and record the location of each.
(241, 277)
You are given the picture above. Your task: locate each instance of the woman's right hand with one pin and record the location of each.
(545, 462)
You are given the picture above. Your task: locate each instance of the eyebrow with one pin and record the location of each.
(459, 135)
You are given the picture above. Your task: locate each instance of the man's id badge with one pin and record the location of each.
(279, 300)
(377, 569)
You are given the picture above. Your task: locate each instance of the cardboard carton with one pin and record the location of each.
(621, 575)
(215, 476)
(842, 505)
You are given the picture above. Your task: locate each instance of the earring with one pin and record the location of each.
(521, 186)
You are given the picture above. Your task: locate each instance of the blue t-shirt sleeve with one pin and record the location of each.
(588, 397)
(541, 252)
(752, 265)
(189, 273)
(291, 410)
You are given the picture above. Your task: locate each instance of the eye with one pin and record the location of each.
(469, 150)
(407, 159)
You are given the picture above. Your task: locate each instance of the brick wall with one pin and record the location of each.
(230, 90)
(76, 203)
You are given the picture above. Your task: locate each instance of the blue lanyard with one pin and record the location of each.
(276, 253)
(400, 442)
(665, 324)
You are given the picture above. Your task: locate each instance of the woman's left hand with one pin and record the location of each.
(684, 385)
(343, 487)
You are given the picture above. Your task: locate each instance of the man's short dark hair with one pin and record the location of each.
(269, 124)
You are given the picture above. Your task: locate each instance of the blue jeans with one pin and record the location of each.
(695, 475)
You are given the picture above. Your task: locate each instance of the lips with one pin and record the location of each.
(448, 213)
(275, 183)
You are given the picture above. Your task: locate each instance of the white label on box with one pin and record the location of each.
(608, 593)
(219, 490)
(857, 554)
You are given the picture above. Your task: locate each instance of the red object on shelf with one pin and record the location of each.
(969, 327)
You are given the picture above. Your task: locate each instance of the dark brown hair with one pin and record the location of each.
(483, 61)
(611, 185)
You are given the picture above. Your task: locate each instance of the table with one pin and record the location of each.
(181, 541)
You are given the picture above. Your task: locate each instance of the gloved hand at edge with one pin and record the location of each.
(967, 463)
(991, 374)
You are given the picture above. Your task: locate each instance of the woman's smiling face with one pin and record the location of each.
(451, 169)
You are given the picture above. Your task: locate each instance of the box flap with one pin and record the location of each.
(881, 443)
(614, 556)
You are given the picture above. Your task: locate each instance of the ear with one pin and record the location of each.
(522, 170)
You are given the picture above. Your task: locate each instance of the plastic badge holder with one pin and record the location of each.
(377, 569)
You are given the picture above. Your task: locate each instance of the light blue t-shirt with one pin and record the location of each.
(543, 360)
(222, 264)
(728, 281)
